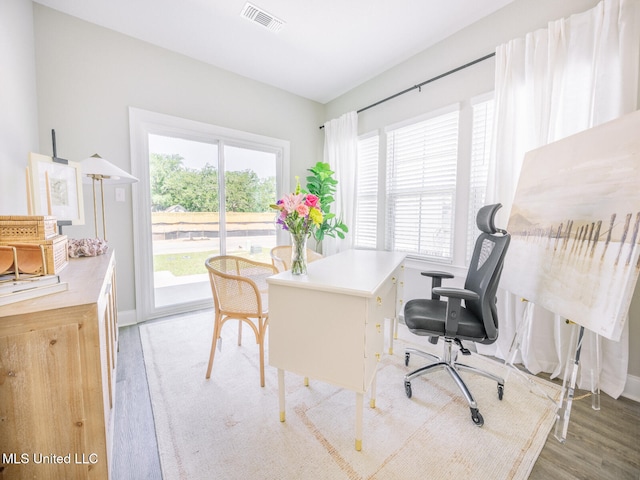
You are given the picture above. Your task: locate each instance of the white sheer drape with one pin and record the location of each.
(341, 153)
(577, 73)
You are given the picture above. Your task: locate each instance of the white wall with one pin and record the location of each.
(475, 41)
(18, 108)
(514, 20)
(88, 76)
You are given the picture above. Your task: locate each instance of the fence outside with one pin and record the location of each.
(195, 225)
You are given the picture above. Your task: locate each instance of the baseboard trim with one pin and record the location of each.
(632, 388)
(126, 318)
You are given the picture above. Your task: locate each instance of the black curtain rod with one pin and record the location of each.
(420, 85)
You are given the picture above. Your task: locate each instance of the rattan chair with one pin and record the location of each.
(240, 293)
(281, 257)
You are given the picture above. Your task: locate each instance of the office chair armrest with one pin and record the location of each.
(454, 304)
(436, 274)
(454, 292)
(436, 280)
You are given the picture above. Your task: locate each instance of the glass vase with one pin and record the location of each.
(299, 253)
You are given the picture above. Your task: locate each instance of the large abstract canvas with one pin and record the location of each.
(574, 226)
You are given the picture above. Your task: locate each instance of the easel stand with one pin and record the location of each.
(515, 347)
(567, 393)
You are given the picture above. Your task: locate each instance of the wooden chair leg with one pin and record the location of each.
(216, 335)
(262, 330)
(261, 362)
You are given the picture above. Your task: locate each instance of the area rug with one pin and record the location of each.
(228, 427)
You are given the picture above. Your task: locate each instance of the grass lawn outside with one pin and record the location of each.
(192, 263)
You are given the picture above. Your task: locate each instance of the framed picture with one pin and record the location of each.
(55, 189)
(575, 226)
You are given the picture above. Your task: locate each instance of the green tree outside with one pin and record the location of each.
(196, 190)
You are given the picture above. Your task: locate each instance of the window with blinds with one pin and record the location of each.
(421, 186)
(366, 220)
(479, 169)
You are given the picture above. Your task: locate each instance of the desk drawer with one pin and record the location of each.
(386, 297)
(373, 348)
(378, 308)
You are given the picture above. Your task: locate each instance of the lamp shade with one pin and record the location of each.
(96, 167)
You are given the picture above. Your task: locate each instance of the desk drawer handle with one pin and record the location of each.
(378, 327)
(378, 357)
(393, 280)
(379, 301)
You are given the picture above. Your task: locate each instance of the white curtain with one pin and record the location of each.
(341, 153)
(578, 73)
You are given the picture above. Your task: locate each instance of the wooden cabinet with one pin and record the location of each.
(58, 375)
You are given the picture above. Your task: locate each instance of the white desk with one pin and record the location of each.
(328, 324)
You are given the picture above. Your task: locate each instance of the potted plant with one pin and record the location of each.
(322, 184)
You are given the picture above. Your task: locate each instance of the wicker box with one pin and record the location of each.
(16, 228)
(56, 251)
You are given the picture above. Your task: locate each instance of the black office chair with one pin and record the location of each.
(476, 321)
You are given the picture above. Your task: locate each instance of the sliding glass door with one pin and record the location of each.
(184, 219)
(207, 199)
(249, 190)
(206, 195)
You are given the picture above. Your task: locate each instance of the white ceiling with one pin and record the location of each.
(324, 49)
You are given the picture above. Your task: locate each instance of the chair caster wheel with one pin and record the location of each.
(500, 391)
(476, 416)
(407, 388)
(406, 359)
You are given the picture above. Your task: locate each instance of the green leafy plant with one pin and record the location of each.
(322, 184)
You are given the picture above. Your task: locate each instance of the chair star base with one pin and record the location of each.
(449, 364)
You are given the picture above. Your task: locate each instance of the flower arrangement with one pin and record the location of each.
(300, 214)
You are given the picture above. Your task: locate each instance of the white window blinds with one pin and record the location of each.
(421, 186)
(480, 155)
(366, 219)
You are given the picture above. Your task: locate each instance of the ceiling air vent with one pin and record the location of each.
(257, 15)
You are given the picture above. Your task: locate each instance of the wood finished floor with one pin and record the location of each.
(602, 445)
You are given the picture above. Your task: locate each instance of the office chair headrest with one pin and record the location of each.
(485, 218)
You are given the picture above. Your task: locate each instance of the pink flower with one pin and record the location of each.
(292, 201)
(302, 210)
(311, 200)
